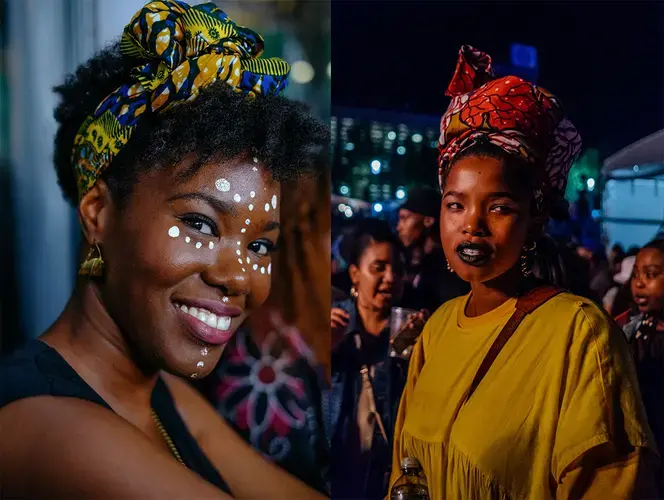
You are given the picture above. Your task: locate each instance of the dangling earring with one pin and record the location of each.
(449, 268)
(525, 260)
(92, 266)
(353, 292)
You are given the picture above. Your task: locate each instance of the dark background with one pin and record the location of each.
(604, 60)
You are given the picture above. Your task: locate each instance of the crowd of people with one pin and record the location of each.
(569, 415)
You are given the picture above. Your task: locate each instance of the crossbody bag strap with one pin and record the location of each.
(525, 305)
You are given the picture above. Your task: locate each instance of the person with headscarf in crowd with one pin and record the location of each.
(172, 145)
(517, 390)
(427, 283)
(367, 382)
(643, 325)
(268, 383)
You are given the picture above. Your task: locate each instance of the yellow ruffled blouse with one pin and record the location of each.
(558, 415)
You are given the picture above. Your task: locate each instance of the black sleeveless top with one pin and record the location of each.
(38, 370)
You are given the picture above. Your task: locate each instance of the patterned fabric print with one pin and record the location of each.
(185, 49)
(510, 113)
(271, 394)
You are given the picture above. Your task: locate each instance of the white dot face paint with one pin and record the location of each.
(238, 252)
(251, 207)
(243, 230)
(225, 299)
(252, 194)
(262, 270)
(174, 232)
(244, 270)
(255, 160)
(200, 364)
(210, 245)
(204, 351)
(248, 260)
(274, 201)
(269, 268)
(187, 239)
(255, 266)
(267, 207)
(199, 244)
(247, 222)
(240, 261)
(254, 169)
(237, 197)
(239, 243)
(223, 185)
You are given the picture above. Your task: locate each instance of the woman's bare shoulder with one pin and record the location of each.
(53, 446)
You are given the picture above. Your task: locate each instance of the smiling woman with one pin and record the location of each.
(172, 145)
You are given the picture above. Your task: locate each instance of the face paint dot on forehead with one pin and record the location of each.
(237, 197)
(199, 244)
(187, 239)
(210, 245)
(274, 201)
(223, 185)
(174, 232)
(243, 230)
(238, 252)
(248, 260)
(251, 206)
(267, 207)
(240, 261)
(239, 243)
(255, 266)
(262, 270)
(244, 270)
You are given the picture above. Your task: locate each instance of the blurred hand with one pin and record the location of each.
(338, 324)
(417, 320)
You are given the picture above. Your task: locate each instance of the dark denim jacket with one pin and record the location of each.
(355, 474)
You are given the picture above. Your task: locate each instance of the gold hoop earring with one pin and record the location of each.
(92, 265)
(526, 256)
(353, 292)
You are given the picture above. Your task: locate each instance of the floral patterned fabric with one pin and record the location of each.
(183, 49)
(271, 394)
(510, 113)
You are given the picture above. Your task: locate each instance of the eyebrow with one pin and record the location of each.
(220, 206)
(272, 225)
(499, 194)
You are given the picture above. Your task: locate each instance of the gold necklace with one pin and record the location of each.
(166, 437)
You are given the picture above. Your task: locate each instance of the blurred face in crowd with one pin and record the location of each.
(413, 227)
(378, 276)
(485, 219)
(648, 280)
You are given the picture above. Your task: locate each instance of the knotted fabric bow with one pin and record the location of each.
(184, 50)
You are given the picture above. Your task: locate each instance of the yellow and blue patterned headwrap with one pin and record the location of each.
(185, 49)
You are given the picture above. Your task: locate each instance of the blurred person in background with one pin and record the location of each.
(540, 360)
(362, 439)
(268, 382)
(600, 277)
(617, 299)
(166, 141)
(427, 283)
(644, 327)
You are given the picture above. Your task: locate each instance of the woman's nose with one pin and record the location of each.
(474, 224)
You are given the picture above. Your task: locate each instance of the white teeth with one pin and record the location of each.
(471, 252)
(223, 323)
(210, 319)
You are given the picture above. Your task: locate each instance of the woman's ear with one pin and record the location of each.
(93, 212)
(354, 273)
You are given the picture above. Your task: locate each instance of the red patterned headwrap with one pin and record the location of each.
(511, 113)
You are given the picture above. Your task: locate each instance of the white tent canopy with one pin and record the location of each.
(645, 151)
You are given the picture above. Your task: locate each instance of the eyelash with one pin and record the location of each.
(192, 220)
(503, 208)
(270, 247)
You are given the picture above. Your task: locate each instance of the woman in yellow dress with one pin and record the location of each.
(499, 403)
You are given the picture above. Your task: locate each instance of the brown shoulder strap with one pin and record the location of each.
(525, 305)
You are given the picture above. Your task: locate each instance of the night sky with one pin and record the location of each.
(605, 60)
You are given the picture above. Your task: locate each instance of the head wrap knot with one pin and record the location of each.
(510, 113)
(185, 49)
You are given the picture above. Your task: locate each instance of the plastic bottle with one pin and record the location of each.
(412, 485)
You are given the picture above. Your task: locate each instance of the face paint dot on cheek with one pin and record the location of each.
(255, 266)
(238, 252)
(248, 260)
(254, 169)
(240, 261)
(267, 207)
(199, 244)
(252, 194)
(223, 185)
(274, 201)
(210, 245)
(247, 222)
(251, 207)
(243, 230)
(237, 198)
(262, 270)
(204, 351)
(174, 232)
(244, 270)
(225, 299)
(187, 239)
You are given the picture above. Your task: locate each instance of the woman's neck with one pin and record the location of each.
(90, 341)
(487, 296)
(374, 320)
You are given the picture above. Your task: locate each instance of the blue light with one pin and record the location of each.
(591, 184)
(348, 212)
(378, 208)
(635, 168)
(344, 189)
(350, 146)
(401, 150)
(596, 214)
(375, 167)
(417, 138)
(392, 135)
(342, 207)
(401, 193)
